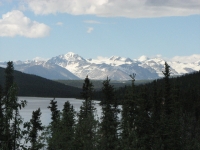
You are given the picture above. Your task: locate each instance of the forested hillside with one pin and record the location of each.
(98, 83)
(162, 115)
(32, 85)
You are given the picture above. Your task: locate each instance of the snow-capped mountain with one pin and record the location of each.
(116, 68)
(73, 66)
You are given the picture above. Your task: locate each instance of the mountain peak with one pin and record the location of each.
(116, 67)
(71, 54)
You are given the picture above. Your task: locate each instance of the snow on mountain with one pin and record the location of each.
(186, 59)
(155, 64)
(44, 69)
(115, 67)
(183, 68)
(70, 61)
(73, 66)
(3, 64)
(114, 60)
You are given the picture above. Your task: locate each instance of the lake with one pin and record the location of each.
(33, 103)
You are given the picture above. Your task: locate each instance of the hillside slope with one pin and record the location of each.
(32, 85)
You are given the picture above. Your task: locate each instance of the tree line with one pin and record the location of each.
(161, 115)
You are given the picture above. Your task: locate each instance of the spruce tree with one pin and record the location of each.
(167, 91)
(170, 119)
(85, 131)
(1, 118)
(67, 126)
(9, 77)
(9, 112)
(156, 116)
(109, 120)
(16, 119)
(55, 116)
(129, 114)
(32, 133)
(143, 121)
(53, 128)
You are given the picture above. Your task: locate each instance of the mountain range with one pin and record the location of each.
(71, 66)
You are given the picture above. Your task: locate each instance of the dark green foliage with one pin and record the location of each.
(61, 136)
(143, 122)
(157, 105)
(98, 83)
(10, 120)
(161, 115)
(32, 85)
(109, 120)
(32, 133)
(165, 113)
(85, 131)
(9, 78)
(86, 94)
(170, 119)
(54, 125)
(1, 117)
(54, 111)
(67, 127)
(129, 114)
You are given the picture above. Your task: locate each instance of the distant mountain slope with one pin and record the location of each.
(32, 85)
(116, 68)
(71, 66)
(119, 68)
(45, 70)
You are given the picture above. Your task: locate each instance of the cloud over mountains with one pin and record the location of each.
(113, 8)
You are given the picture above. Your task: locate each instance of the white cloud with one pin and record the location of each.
(59, 23)
(92, 22)
(112, 8)
(90, 29)
(15, 23)
(187, 59)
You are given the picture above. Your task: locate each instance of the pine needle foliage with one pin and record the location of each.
(109, 125)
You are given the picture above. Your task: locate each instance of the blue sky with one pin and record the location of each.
(47, 28)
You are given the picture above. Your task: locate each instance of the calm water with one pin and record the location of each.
(33, 103)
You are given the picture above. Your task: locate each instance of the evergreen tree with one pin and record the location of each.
(109, 120)
(167, 91)
(9, 76)
(156, 116)
(62, 136)
(143, 121)
(16, 118)
(33, 128)
(170, 118)
(67, 125)
(1, 117)
(129, 114)
(85, 131)
(54, 111)
(9, 112)
(86, 94)
(54, 125)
